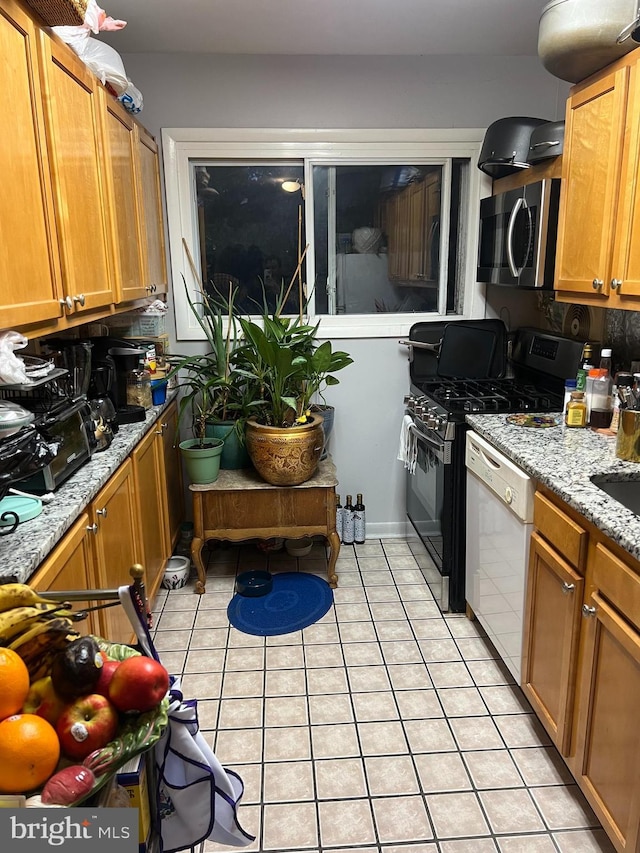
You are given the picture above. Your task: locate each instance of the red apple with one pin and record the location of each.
(104, 679)
(43, 700)
(138, 684)
(84, 725)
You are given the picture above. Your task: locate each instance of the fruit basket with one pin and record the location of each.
(139, 732)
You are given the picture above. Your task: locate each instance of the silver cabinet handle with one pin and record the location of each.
(597, 283)
(616, 283)
(79, 299)
(163, 428)
(92, 528)
(102, 512)
(67, 303)
(568, 587)
(589, 611)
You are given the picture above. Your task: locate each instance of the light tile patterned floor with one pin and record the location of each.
(383, 728)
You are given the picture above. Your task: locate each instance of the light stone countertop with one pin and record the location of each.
(22, 552)
(564, 460)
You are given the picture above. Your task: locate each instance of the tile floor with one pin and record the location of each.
(383, 728)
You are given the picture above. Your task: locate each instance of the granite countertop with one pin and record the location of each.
(22, 552)
(564, 460)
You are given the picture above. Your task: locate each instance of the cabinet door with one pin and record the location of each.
(550, 641)
(125, 231)
(155, 270)
(591, 166)
(117, 545)
(150, 496)
(173, 485)
(70, 567)
(625, 270)
(29, 269)
(608, 736)
(74, 136)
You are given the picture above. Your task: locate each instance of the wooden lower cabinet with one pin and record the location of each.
(551, 633)
(148, 469)
(117, 545)
(606, 764)
(581, 660)
(70, 566)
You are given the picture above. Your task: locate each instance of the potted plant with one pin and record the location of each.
(213, 392)
(283, 362)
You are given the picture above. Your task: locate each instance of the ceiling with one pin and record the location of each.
(348, 27)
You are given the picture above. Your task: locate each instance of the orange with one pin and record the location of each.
(14, 683)
(29, 753)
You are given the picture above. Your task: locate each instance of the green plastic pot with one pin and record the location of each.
(234, 454)
(202, 463)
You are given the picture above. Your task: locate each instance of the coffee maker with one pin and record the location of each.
(114, 359)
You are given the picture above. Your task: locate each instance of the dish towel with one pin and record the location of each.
(408, 448)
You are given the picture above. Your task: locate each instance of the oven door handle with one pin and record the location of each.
(437, 447)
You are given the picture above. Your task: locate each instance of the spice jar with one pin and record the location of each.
(576, 413)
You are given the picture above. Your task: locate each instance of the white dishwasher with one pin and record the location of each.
(499, 522)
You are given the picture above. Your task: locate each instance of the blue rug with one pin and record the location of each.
(296, 601)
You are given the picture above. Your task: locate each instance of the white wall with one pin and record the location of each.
(304, 91)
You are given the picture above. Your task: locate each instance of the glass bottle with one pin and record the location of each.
(583, 372)
(359, 521)
(339, 517)
(601, 408)
(576, 415)
(348, 522)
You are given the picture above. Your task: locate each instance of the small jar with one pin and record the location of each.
(576, 414)
(139, 388)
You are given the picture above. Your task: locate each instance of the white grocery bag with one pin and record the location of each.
(197, 797)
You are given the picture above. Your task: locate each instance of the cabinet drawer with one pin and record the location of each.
(561, 531)
(616, 582)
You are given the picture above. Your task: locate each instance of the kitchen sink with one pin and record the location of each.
(626, 492)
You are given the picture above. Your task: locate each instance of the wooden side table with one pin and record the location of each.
(240, 505)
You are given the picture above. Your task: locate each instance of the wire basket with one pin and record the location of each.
(59, 13)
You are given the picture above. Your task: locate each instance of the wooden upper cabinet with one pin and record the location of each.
(592, 160)
(150, 200)
(74, 136)
(626, 251)
(29, 269)
(121, 182)
(598, 261)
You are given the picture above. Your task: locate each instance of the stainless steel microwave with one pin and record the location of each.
(518, 231)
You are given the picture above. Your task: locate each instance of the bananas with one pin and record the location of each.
(18, 595)
(15, 621)
(41, 642)
(34, 627)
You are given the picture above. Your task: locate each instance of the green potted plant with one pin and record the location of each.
(287, 369)
(213, 394)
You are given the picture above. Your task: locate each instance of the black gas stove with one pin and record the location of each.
(530, 380)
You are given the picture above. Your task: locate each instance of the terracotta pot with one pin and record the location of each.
(285, 456)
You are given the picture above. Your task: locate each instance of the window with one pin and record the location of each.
(373, 230)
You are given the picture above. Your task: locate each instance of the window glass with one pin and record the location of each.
(251, 232)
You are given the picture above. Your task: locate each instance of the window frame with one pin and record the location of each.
(337, 147)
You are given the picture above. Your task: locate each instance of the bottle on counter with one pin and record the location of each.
(601, 408)
(587, 365)
(139, 387)
(359, 521)
(339, 517)
(348, 522)
(576, 414)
